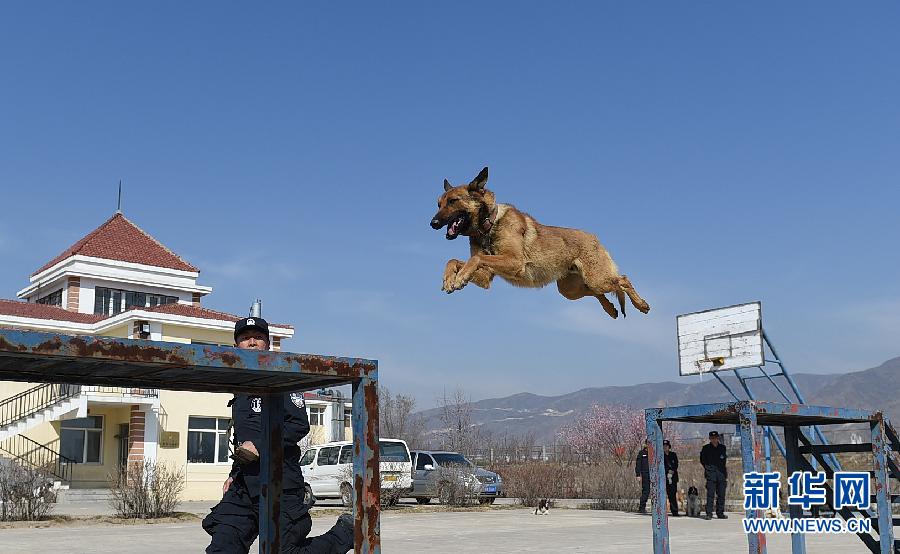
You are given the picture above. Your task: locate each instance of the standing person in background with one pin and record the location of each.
(671, 461)
(713, 457)
(642, 470)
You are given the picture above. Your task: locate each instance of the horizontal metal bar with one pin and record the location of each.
(836, 448)
(731, 410)
(109, 361)
(805, 410)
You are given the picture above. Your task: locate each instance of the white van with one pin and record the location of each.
(328, 468)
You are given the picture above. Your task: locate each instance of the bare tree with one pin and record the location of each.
(397, 418)
(315, 436)
(459, 434)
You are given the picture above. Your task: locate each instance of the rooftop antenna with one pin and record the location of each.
(256, 308)
(119, 204)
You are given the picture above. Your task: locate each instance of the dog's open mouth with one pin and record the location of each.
(457, 226)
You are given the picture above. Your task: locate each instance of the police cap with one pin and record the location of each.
(257, 323)
(713, 434)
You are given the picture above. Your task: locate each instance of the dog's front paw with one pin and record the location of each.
(447, 286)
(458, 282)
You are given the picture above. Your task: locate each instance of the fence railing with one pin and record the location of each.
(687, 448)
(120, 391)
(38, 456)
(35, 400)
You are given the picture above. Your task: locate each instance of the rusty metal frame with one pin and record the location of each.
(748, 418)
(29, 356)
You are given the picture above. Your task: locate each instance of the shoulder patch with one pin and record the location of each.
(256, 404)
(297, 399)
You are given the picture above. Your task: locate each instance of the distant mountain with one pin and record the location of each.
(543, 416)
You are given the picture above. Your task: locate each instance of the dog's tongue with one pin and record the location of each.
(453, 228)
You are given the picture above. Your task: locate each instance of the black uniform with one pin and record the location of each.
(234, 522)
(713, 459)
(671, 461)
(642, 469)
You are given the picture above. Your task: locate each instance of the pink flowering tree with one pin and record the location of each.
(608, 432)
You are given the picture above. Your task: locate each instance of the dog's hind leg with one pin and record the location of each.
(608, 306)
(573, 287)
(599, 280)
(621, 297)
(626, 287)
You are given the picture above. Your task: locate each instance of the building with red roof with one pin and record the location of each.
(120, 281)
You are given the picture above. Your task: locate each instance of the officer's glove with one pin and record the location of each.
(244, 456)
(309, 499)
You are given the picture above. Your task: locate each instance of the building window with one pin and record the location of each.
(154, 300)
(135, 299)
(207, 440)
(52, 299)
(81, 439)
(101, 300)
(113, 301)
(346, 418)
(317, 415)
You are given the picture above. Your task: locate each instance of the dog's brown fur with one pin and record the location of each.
(508, 243)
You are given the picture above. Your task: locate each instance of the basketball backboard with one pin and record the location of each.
(720, 339)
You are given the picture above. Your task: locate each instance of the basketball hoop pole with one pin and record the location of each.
(787, 376)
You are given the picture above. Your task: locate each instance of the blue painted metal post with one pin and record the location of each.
(767, 432)
(751, 457)
(366, 473)
(794, 458)
(750, 396)
(882, 485)
(271, 472)
(657, 481)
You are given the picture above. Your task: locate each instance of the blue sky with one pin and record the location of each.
(723, 153)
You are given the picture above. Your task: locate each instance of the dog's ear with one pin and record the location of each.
(447, 185)
(479, 182)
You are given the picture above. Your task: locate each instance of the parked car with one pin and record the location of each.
(328, 469)
(427, 482)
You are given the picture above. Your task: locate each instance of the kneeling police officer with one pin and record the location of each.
(233, 523)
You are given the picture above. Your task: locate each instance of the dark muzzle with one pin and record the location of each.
(436, 223)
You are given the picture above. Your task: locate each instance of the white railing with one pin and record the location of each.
(119, 391)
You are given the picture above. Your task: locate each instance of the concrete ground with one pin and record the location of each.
(502, 530)
(91, 508)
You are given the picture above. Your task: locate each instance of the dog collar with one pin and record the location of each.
(485, 229)
(490, 220)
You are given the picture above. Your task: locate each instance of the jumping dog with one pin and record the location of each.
(511, 244)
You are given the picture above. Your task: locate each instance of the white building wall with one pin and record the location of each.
(127, 274)
(151, 431)
(48, 287)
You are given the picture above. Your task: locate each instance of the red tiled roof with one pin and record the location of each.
(54, 313)
(44, 311)
(197, 311)
(190, 311)
(120, 239)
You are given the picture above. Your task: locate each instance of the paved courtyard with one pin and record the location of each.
(504, 530)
